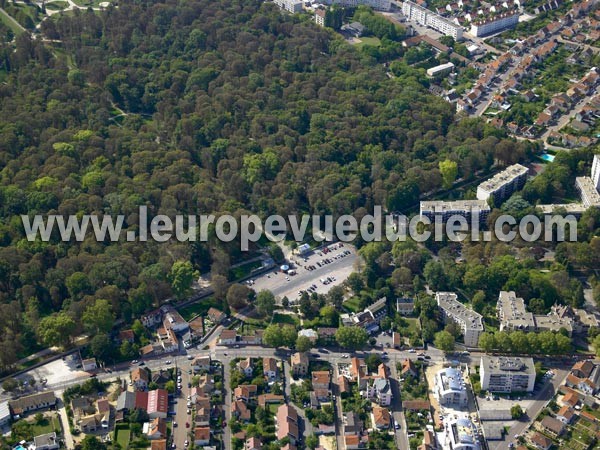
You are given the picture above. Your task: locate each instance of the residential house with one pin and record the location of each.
(228, 337)
(161, 377)
(246, 367)
(352, 423)
(309, 333)
(240, 411)
(321, 379)
(253, 443)
(539, 441)
(172, 320)
(583, 384)
(354, 442)
(151, 319)
(378, 310)
(381, 418)
(81, 407)
(270, 369)
(104, 410)
(202, 417)
(155, 429)
(343, 384)
(408, 368)
(201, 363)
(266, 399)
(287, 423)
(583, 369)
(543, 119)
(245, 392)
(46, 442)
(405, 306)
(565, 414)
(216, 316)
(90, 424)
(299, 364)
(551, 426)
(140, 378)
(126, 401)
(4, 414)
(127, 335)
(416, 405)
(158, 444)
(201, 436)
(32, 402)
(396, 340)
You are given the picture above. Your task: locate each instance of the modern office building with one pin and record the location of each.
(463, 208)
(503, 184)
(450, 387)
(505, 374)
(495, 24)
(428, 18)
(512, 313)
(470, 322)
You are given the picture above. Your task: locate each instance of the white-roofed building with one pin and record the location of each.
(450, 388)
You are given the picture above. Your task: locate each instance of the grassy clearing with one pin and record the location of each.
(122, 437)
(352, 304)
(57, 5)
(199, 308)
(48, 425)
(6, 20)
(92, 3)
(286, 319)
(375, 42)
(243, 271)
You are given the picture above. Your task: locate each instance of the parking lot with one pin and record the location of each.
(317, 272)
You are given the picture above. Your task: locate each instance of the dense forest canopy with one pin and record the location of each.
(198, 107)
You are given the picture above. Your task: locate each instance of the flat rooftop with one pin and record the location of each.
(450, 304)
(512, 310)
(586, 185)
(506, 176)
(503, 364)
(455, 206)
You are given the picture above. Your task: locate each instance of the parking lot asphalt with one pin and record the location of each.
(341, 265)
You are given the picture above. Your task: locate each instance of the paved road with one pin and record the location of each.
(402, 433)
(543, 397)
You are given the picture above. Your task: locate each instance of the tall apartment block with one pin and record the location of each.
(503, 184)
(470, 322)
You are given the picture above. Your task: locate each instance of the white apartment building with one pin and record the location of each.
(292, 6)
(470, 322)
(450, 388)
(442, 69)
(588, 192)
(320, 14)
(378, 5)
(505, 374)
(512, 313)
(459, 434)
(463, 208)
(495, 24)
(596, 172)
(428, 18)
(503, 184)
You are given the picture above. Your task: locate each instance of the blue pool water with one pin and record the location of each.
(20, 447)
(547, 157)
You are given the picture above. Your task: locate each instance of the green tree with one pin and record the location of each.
(596, 345)
(98, 318)
(351, 338)
(487, 342)
(444, 341)
(90, 442)
(373, 360)
(78, 284)
(312, 441)
(56, 329)
(170, 386)
(276, 336)
(102, 347)
(237, 296)
(10, 384)
(181, 277)
(516, 412)
(303, 344)
(289, 335)
(449, 171)
(265, 303)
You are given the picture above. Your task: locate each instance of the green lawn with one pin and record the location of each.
(4, 17)
(122, 437)
(243, 271)
(286, 319)
(92, 3)
(57, 5)
(199, 308)
(369, 41)
(272, 407)
(48, 426)
(352, 304)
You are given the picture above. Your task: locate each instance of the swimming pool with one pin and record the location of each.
(19, 447)
(547, 157)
